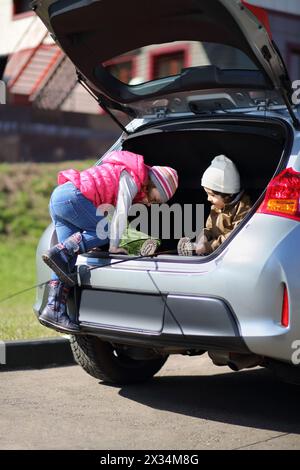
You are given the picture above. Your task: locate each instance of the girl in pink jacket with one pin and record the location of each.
(120, 180)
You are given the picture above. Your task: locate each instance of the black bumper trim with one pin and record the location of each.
(220, 343)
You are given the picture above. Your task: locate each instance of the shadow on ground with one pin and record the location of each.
(249, 398)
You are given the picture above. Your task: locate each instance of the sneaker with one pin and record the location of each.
(149, 247)
(185, 247)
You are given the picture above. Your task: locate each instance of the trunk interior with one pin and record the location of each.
(256, 147)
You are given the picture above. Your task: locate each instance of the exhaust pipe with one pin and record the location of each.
(235, 361)
(238, 362)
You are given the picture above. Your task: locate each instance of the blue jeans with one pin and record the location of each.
(71, 212)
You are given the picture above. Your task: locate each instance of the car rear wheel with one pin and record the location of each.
(103, 361)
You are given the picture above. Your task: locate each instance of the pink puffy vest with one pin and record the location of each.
(100, 184)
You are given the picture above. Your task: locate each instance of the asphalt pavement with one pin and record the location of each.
(191, 404)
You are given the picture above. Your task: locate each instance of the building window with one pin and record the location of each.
(122, 67)
(123, 71)
(21, 6)
(167, 64)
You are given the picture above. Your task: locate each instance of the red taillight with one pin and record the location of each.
(285, 316)
(283, 196)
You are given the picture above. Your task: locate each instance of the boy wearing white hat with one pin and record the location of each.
(221, 182)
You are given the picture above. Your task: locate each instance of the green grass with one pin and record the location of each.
(24, 194)
(17, 272)
(25, 189)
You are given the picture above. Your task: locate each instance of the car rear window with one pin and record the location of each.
(169, 59)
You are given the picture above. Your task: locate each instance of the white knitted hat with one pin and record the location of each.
(222, 176)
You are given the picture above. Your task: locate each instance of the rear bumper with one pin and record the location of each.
(187, 322)
(251, 280)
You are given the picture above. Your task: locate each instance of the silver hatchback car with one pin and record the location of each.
(240, 304)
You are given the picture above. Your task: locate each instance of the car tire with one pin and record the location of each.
(103, 361)
(287, 373)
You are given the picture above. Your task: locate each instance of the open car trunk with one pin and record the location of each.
(256, 147)
(137, 307)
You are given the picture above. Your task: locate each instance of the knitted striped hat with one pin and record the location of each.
(165, 180)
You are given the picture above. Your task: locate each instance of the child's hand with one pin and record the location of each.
(200, 249)
(201, 245)
(118, 251)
